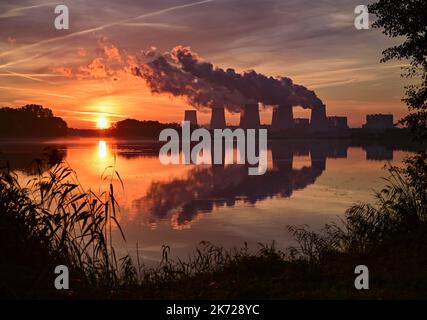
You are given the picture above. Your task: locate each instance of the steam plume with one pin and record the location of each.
(182, 72)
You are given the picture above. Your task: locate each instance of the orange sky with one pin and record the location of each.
(315, 45)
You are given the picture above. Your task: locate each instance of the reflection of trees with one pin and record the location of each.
(139, 149)
(206, 187)
(31, 159)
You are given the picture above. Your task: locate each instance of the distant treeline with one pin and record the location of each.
(30, 120)
(136, 128)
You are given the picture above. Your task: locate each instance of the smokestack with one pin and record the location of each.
(191, 115)
(249, 116)
(318, 121)
(283, 117)
(218, 118)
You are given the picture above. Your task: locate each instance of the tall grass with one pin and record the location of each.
(400, 208)
(74, 224)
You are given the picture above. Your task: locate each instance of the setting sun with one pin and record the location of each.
(102, 123)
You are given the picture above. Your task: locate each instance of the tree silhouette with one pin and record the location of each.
(136, 128)
(30, 120)
(408, 19)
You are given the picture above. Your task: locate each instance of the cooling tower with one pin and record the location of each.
(249, 116)
(191, 115)
(218, 118)
(283, 118)
(318, 121)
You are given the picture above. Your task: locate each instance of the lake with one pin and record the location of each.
(307, 183)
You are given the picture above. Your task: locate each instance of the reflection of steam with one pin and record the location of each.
(183, 199)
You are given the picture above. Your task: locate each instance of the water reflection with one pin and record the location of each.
(193, 190)
(206, 187)
(102, 149)
(31, 158)
(307, 182)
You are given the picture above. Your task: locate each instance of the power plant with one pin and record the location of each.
(191, 115)
(218, 118)
(283, 120)
(249, 117)
(318, 121)
(379, 121)
(337, 122)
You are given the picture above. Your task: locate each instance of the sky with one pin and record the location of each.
(82, 73)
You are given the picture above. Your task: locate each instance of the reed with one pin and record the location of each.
(74, 224)
(399, 209)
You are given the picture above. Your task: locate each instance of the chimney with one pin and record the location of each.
(318, 121)
(249, 117)
(191, 115)
(283, 118)
(218, 118)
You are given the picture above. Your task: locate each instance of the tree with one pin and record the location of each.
(408, 19)
(30, 121)
(37, 110)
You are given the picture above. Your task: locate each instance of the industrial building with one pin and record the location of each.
(318, 121)
(249, 116)
(218, 118)
(379, 121)
(301, 123)
(283, 118)
(336, 122)
(191, 115)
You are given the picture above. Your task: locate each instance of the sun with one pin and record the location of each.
(102, 123)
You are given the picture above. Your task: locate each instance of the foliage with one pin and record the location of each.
(136, 128)
(30, 120)
(408, 19)
(74, 225)
(400, 208)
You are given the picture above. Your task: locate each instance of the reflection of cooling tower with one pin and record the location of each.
(191, 115)
(318, 121)
(249, 117)
(283, 117)
(218, 118)
(282, 156)
(318, 154)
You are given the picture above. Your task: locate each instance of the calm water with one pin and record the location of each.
(309, 183)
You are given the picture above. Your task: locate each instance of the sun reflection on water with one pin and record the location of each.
(102, 149)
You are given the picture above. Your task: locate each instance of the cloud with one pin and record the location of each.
(81, 52)
(16, 12)
(29, 77)
(11, 41)
(104, 26)
(183, 73)
(63, 71)
(165, 26)
(110, 51)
